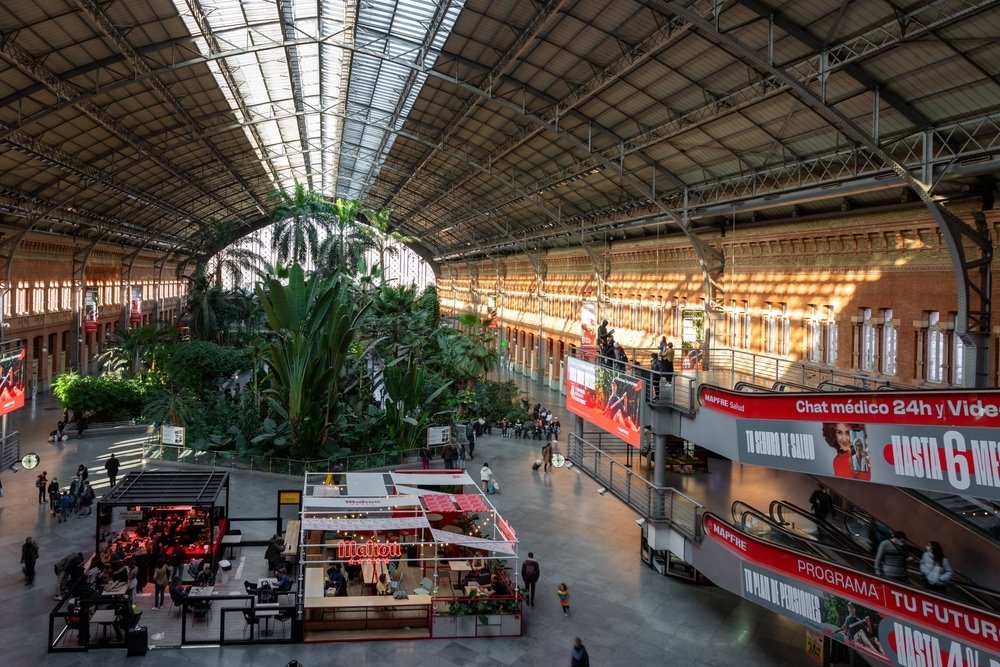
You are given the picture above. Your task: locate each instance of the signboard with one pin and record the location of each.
(135, 305)
(12, 378)
(90, 310)
(172, 435)
(890, 622)
(438, 435)
(130, 515)
(606, 398)
(947, 441)
(588, 323)
(289, 497)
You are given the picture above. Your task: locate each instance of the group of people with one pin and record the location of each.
(77, 498)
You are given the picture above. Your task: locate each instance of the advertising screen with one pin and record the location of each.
(608, 399)
(12, 378)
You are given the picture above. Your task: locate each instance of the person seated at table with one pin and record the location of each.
(354, 572)
(177, 591)
(476, 565)
(124, 619)
(194, 567)
(383, 587)
(205, 576)
(284, 582)
(336, 582)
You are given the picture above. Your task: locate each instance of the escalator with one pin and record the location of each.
(825, 539)
(822, 577)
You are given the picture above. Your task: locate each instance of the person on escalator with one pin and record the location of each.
(821, 502)
(891, 558)
(935, 568)
(840, 436)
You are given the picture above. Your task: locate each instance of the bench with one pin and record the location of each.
(111, 428)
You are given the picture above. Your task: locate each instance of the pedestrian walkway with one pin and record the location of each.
(626, 613)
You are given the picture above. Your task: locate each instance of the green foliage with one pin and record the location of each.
(313, 322)
(406, 419)
(101, 398)
(493, 400)
(200, 366)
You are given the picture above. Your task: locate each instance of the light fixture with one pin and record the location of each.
(601, 490)
(640, 522)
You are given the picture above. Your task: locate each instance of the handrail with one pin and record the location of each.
(743, 385)
(777, 511)
(653, 503)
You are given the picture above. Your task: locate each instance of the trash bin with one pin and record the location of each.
(137, 640)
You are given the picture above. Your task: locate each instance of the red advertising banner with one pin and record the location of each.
(608, 399)
(12, 379)
(897, 624)
(947, 441)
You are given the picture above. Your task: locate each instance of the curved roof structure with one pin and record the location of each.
(488, 126)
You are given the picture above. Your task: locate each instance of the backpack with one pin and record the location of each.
(530, 570)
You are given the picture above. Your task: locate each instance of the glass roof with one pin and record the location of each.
(320, 92)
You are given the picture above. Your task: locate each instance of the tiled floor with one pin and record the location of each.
(626, 613)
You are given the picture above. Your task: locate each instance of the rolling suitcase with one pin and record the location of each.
(137, 640)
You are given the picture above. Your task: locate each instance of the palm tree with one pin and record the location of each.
(298, 219)
(383, 239)
(313, 320)
(345, 246)
(236, 262)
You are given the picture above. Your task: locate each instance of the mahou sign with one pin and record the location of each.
(355, 552)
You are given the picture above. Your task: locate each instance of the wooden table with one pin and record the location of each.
(231, 540)
(459, 566)
(104, 618)
(115, 589)
(267, 611)
(433, 517)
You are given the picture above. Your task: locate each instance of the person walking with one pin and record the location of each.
(111, 466)
(821, 502)
(53, 490)
(530, 571)
(891, 558)
(425, 458)
(161, 579)
(448, 454)
(470, 436)
(485, 476)
(580, 657)
(546, 456)
(461, 454)
(29, 556)
(935, 568)
(563, 593)
(42, 483)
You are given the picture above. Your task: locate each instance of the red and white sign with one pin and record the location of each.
(946, 441)
(12, 379)
(937, 615)
(607, 399)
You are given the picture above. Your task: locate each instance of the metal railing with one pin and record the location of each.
(154, 450)
(764, 369)
(653, 503)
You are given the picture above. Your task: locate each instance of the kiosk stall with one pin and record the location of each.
(153, 513)
(405, 543)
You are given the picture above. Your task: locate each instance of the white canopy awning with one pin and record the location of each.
(472, 542)
(370, 484)
(430, 479)
(386, 523)
(413, 491)
(360, 504)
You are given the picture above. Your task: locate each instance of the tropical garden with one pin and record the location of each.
(329, 355)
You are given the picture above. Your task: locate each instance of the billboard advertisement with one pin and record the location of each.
(606, 398)
(943, 441)
(893, 623)
(12, 378)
